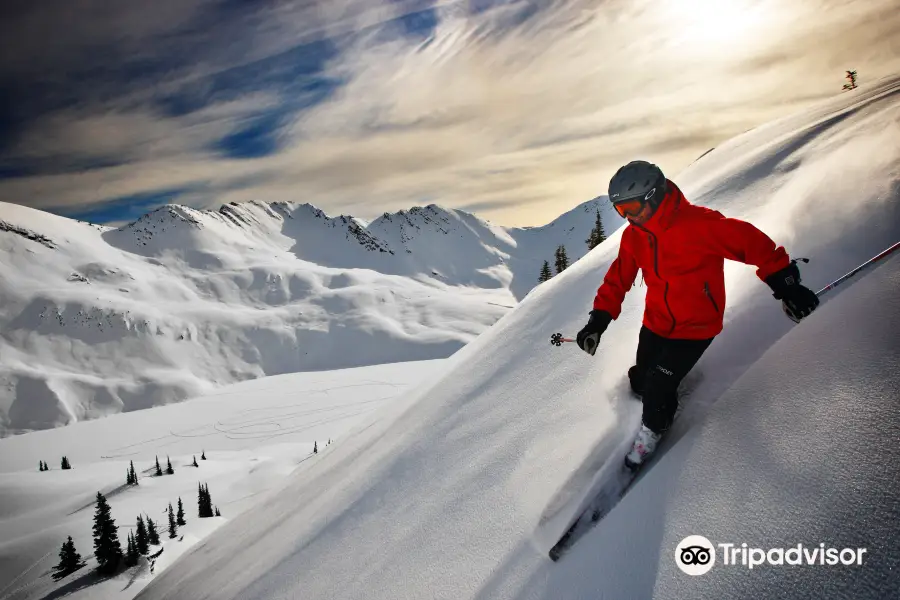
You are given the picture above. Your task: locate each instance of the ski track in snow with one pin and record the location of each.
(254, 433)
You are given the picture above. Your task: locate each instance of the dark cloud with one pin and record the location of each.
(125, 209)
(509, 106)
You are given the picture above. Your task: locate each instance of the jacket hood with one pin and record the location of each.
(671, 203)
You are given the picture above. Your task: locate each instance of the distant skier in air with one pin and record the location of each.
(681, 250)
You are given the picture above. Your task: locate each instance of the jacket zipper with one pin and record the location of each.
(653, 244)
(709, 295)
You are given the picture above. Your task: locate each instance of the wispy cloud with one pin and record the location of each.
(518, 109)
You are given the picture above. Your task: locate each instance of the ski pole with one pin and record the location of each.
(557, 339)
(865, 265)
(841, 280)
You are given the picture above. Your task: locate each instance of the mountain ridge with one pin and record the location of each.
(100, 319)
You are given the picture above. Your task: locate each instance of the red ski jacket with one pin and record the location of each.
(681, 250)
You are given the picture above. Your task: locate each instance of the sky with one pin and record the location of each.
(516, 110)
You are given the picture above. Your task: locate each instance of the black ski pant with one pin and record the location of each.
(661, 365)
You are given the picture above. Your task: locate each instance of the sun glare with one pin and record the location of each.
(715, 25)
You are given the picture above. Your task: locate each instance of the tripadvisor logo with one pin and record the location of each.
(696, 555)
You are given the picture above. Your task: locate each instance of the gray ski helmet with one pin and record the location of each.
(638, 179)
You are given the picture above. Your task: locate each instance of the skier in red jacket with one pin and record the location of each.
(681, 250)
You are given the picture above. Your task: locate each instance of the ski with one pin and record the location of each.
(603, 502)
(609, 495)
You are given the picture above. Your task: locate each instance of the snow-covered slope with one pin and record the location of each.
(442, 496)
(254, 434)
(96, 320)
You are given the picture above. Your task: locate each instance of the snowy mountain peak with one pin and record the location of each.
(182, 299)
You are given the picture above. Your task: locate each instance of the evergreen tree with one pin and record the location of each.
(204, 503)
(203, 455)
(195, 462)
(65, 463)
(315, 447)
(152, 533)
(158, 469)
(169, 469)
(69, 560)
(218, 514)
(131, 476)
(545, 273)
(597, 235)
(562, 261)
(131, 554)
(180, 515)
(141, 538)
(107, 547)
(173, 527)
(41, 466)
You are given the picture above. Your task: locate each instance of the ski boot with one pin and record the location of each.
(644, 445)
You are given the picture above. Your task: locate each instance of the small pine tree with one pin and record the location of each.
(180, 515)
(597, 235)
(562, 260)
(131, 554)
(218, 514)
(141, 538)
(158, 469)
(203, 455)
(107, 548)
(169, 469)
(851, 77)
(69, 560)
(133, 474)
(41, 466)
(195, 462)
(65, 464)
(173, 527)
(545, 273)
(152, 533)
(204, 502)
(315, 447)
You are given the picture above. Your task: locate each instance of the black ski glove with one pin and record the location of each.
(589, 337)
(797, 301)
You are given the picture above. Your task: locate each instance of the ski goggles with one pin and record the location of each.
(629, 208)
